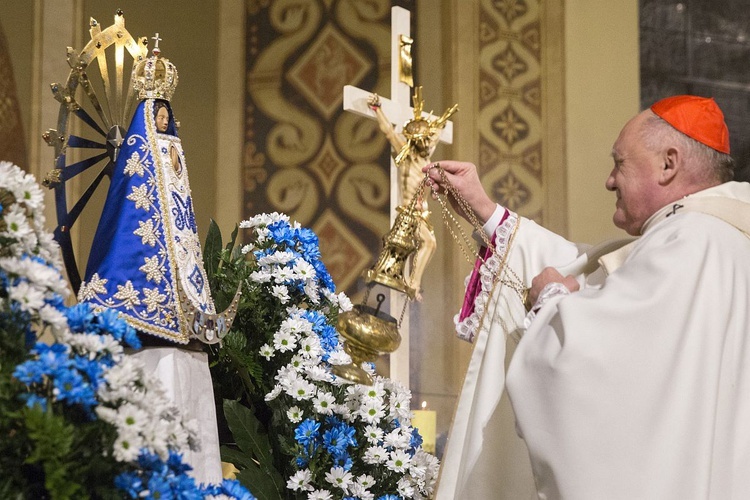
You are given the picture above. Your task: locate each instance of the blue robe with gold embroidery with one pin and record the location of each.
(147, 242)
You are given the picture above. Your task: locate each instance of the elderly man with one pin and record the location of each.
(631, 379)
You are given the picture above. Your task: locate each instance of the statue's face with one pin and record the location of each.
(162, 120)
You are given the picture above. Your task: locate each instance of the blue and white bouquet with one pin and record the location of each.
(79, 418)
(329, 439)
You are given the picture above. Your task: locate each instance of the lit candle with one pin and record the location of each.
(426, 422)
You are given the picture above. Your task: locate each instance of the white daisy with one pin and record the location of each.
(300, 481)
(284, 341)
(319, 495)
(375, 455)
(324, 402)
(339, 477)
(294, 414)
(398, 461)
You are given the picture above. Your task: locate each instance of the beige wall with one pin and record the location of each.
(601, 94)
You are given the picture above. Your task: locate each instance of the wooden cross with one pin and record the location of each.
(399, 111)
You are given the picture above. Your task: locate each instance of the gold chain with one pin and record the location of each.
(464, 244)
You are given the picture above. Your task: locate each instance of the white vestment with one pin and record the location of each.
(186, 378)
(638, 386)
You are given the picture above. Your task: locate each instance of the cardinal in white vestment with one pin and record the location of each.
(631, 379)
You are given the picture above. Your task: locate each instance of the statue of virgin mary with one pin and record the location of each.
(146, 259)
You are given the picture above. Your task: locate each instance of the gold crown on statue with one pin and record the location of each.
(155, 77)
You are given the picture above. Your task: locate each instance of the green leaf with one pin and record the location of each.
(260, 484)
(240, 459)
(247, 433)
(212, 249)
(232, 239)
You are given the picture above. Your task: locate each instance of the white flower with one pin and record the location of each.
(319, 373)
(301, 390)
(274, 393)
(398, 461)
(54, 318)
(310, 346)
(371, 410)
(284, 341)
(405, 487)
(311, 290)
(298, 363)
(366, 481)
(300, 481)
(131, 417)
(263, 220)
(374, 434)
(127, 447)
(398, 438)
(359, 491)
(323, 403)
(266, 351)
(276, 258)
(294, 414)
(282, 274)
(248, 248)
(17, 225)
(29, 297)
(303, 270)
(261, 276)
(281, 293)
(339, 357)
(375, 391)
(28, 191)
(296, 325)
(339, 477)
(400, 405)
(319, 495)
(375, 455)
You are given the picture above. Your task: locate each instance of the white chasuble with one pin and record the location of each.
(484, 459)
(636, 387)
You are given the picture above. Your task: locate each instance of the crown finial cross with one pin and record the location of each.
(156, 49)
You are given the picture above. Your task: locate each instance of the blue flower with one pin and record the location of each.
(80, 318)
(33, 400)
(282, 233)
(130, 483)
(110, 322)
(159, 487)
(131, 337)
(416, 441)
(307, 431)
(389, 497)
(30, 372)
(70, 386)
(175, 463)
(235, 490)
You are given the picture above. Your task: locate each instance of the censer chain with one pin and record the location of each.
(464, 243)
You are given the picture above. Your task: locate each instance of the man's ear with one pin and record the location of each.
(672, 164)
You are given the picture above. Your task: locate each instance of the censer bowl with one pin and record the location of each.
(368, 334)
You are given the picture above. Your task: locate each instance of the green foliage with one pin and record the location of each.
(52, 439)
(254, 455)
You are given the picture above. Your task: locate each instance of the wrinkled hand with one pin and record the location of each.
(547, 276)
(464, 178)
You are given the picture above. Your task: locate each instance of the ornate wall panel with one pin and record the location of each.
(303, 155)
(12, 145)
(509, 105)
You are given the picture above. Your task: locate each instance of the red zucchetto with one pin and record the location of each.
(697, 117)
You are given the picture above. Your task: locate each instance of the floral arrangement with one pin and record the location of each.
(329, 439)
(79, 419)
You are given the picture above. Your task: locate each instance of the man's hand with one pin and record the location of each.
(547, 276)
(464, 178)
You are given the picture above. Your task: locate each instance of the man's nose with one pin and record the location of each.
(610, 183)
